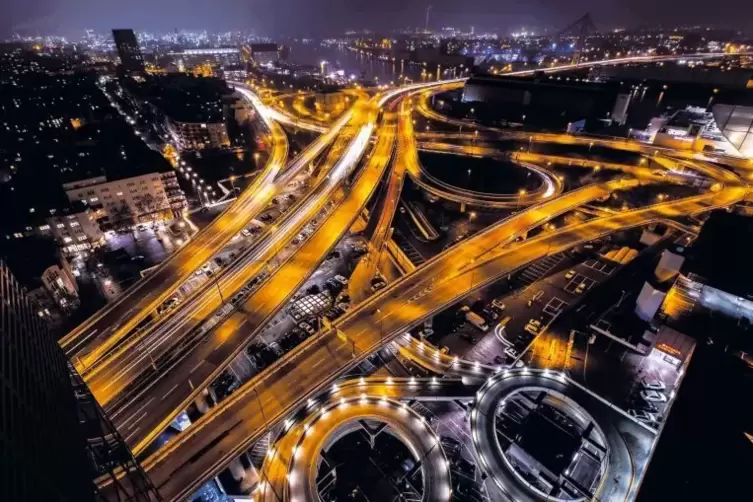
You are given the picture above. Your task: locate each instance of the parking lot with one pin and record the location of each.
(532, 299)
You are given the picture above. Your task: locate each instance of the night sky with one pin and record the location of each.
(331, 17)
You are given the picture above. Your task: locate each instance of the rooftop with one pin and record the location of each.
(183, 98)
(721, 253)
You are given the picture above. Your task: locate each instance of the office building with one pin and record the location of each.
(126, 201)
(264, 54)
(543, 100)
(218, 58)
(736, 124)
(129, 51)
(55, 440)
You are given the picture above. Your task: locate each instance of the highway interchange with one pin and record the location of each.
(146, 367)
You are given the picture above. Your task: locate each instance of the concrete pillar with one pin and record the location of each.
(251, 480)
(462, 207)
(237, 470)
(202, 402)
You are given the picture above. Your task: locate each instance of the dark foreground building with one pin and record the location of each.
(55, 441)
(129, 51)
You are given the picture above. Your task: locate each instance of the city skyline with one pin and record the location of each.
(332, 17)
(378, 265)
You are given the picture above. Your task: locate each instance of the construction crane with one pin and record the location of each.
(580, 29)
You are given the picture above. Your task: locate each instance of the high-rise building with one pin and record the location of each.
(56, 443)
(128, 50)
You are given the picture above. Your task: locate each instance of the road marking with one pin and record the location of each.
(169, 391)
(196, 367)
(137, 420)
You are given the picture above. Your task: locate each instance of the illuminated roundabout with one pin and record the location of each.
(597, 464)
(593, 459)
(292, 464)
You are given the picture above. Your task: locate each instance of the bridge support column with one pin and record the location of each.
(250, 480)
(462, 207)
(237, 470)
(202, 402)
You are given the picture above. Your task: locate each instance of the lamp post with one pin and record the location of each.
(232, 183)
(521, 193)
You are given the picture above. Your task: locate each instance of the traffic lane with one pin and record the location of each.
(134, 357)
(360, 329)
(271, 296)
(144, 361)
(160, 284)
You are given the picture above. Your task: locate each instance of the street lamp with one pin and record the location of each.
(381, 325)
(521, 193)
(232, 183)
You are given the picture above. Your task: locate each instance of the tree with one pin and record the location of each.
(122, 216)
(148, 204)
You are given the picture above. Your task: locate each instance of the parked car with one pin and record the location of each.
(570, 274)
(342, 280)
(306, 327)
(510, 351)
(581, 288)
(643, 416)
(498, 305)
(378, 283)
(653, 384)
(653, 396)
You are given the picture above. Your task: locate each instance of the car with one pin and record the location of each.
(499, 360)
(141, 228)
(581, 288)
(652, 384)
(306, 327)
(402, 210)
(378, 283)
(245, 233)
(639, 404)
(237, 299)
(498, 305)
(333, 255)
(489, 313)
(451, 446)
(445, 350)
(464, 309)
(533, 326)
(426, 332)
(510, 351)
(643, 416)
(468, 338)
(342, 280)
(343, 306)
(570, 274)
(653, 396)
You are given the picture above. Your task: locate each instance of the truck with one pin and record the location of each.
(476, 320)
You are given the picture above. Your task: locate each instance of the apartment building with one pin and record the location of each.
(75, 228)
(198, 135)
(137, 199)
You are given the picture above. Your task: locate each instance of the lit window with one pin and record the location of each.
(60, 225)
(44, 227)
(94, 199)
(82, 238)
(67, 239)
(74, 223)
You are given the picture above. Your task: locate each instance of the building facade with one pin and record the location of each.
(123, 202)
(736, 124)
(263, 54)
(217, 57)
(198, 135)
(128, 50)
(54, 438)
(75, 229)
